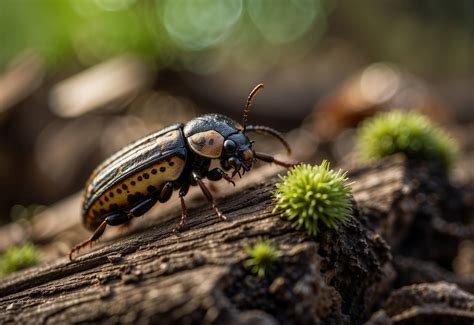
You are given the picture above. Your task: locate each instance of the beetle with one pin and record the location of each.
(131, 181)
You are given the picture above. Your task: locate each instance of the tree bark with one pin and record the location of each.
(197, 276)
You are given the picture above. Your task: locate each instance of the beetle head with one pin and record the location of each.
(237, 153)
(216, 136)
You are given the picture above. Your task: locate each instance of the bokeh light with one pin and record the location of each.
(199, 24)
(282, 21)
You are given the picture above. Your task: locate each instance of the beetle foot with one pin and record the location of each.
(182, 224)
(228, 178)
(184, 216)
(78, 247)
(178, 228)
(219, 213)
(95, 236)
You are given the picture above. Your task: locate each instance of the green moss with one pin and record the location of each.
(17, 258)
(261, 257)
(309, 195)
(405, 132)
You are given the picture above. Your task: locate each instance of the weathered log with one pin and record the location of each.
(152, 275)
(433, 303)
(412, 270)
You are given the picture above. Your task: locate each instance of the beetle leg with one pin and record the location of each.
(184, 212)
(141, 208)
(208, 195)
(184, 215)
(96, 235)
(270, 159)
(166, 192)
(217, 174)
(115, 219)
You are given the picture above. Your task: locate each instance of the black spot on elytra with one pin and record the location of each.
(106, 199)
(133, 183)
(171, 163)
(124, 186)
(119, 191)
(162, 169)
(153, 171)
(140, 178)
(146, 176)
(151, 189)
(111, 194)
(211, 141)
(101, 203)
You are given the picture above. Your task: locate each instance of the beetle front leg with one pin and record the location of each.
(217, 174)
(208, 195)
(270, 159)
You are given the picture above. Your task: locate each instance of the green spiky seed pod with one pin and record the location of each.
(261, 257)
(409, 133)
(18, 257)
(312, 194)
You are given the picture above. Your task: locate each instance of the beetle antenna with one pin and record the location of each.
(249, 102)
(262, 129)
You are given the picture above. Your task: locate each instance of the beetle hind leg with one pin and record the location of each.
(95, 236)
(112, 220)
(141, 208)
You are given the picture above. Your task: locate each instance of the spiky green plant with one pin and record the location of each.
(309, 195)
(409, 133)
(261, 257)
(17, 258)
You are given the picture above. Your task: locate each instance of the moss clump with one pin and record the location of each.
(261, 257)
(309, 195)
(17, 258)
(409, 133)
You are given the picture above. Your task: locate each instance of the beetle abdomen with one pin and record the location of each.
(134, 173)
(135, 188)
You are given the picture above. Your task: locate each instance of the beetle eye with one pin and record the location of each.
(229, 146)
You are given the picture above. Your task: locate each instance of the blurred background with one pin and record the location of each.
(81, 79)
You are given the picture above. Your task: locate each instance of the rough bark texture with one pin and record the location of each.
(433, 303)
(198, 275)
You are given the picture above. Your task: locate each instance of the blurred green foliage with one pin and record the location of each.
(409, 133)
(199, 34)
(18, 257)
(162, 31)
(262, 256)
